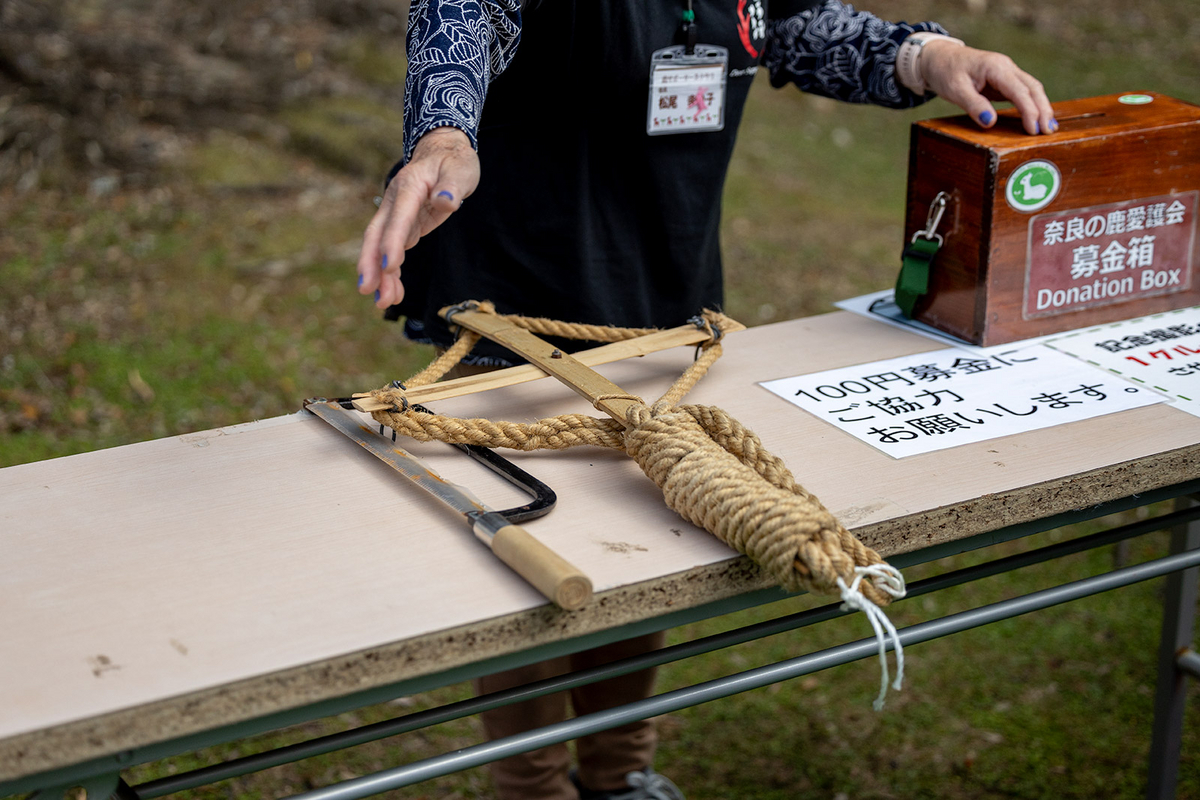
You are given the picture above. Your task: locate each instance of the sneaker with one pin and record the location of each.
(647, 785)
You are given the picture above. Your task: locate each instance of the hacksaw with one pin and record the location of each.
(548, 572)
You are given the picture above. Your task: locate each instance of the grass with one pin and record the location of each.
(223, 292)
(1004, 708)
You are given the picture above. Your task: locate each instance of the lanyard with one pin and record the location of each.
(688, 29)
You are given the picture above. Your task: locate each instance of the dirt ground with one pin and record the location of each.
(109, 92)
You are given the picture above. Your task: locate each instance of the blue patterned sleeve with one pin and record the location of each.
(455, 48)
(833, 50)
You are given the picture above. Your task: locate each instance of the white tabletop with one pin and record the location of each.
(166, 587)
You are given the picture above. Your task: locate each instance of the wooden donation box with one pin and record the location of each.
(1095, 223)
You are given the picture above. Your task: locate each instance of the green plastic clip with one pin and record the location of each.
(913, 282)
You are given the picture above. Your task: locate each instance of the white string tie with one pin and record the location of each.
(888, 580)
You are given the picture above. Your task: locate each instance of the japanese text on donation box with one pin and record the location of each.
(1109, 254)
(932, 401)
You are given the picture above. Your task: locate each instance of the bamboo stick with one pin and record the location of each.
(605, 354)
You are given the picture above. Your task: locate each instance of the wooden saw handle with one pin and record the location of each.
(550, 573)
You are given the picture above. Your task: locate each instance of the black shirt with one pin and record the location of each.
(579, 214)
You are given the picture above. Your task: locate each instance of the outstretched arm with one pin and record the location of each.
(443, 171)
(455, 48)
(833, 50)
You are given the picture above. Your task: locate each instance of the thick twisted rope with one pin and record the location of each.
(787, 531)
(712, 470)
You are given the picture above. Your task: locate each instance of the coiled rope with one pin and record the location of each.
(712, 470)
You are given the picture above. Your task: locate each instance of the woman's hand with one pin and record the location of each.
(970, 78)
(443, 171)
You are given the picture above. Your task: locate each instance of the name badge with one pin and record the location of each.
(687, 92)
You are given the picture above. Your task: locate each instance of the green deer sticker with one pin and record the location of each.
(1032, 186)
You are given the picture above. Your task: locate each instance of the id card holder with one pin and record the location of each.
(687, 92)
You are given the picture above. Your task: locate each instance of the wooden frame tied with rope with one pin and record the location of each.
(712, 470)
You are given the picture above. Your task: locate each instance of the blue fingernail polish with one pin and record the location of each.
(1037, 127)
(987, 117)
(360, 280)
(376, 295)
(445, 194)
(385, 260)
(1053, 126)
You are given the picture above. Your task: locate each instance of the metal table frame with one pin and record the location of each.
(101, 777)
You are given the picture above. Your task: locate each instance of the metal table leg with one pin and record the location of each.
(1174, 660)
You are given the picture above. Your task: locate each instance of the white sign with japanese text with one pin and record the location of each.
(932, 401)
(1161, 351)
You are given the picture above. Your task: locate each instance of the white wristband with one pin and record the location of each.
(908, 58)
